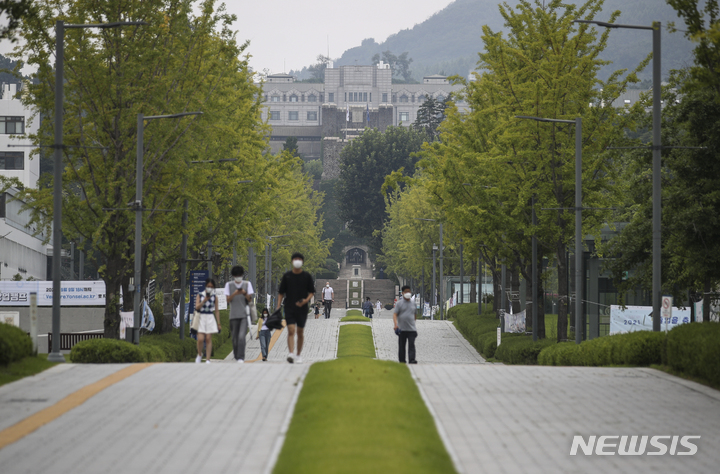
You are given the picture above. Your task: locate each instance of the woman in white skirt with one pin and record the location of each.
(209, 320)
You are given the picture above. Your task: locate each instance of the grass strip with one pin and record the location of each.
(355, 319)
(355, 340)
(359, 415)
(24, 368)
(353, 312)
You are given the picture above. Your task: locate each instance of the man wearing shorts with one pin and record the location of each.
(296, 289)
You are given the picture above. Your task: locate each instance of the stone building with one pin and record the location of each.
(351, 99)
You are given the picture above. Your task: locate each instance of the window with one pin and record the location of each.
(404, 99)
(371, 97)
(364, 96)
(346, 97)
(11, 160)
(394, 98)
(12, 125)
(355, 97)
(312, 98)
(384, 96)
(404, 116)
(293, 115)
(331, 97)
(293, 98)
(441, 98)
(274, 115)
(2, 206)
(284, 98)
(275, 98)
(312, 116)
(265, 98)
(421, 98)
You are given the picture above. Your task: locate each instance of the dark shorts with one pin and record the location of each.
(296, 317)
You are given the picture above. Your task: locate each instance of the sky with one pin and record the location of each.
(290, 34)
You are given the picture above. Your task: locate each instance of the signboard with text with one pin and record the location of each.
(639, 318)
(197, 284)
(72, 293)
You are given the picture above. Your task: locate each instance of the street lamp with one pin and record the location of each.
(138, 208)
(578, 225)
(60, 27)
(657, 164)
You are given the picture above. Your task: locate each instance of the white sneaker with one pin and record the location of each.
(291, 358)
(198, 359)
(240, 361)
(207, 361)
(298, 360)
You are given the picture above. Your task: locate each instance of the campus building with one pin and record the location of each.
(351, 99)
(21, 252)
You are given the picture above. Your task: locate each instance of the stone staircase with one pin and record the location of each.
(383, 290)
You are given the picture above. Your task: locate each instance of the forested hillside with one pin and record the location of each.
(448, 42)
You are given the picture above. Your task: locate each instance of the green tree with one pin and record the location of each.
(364, 164)
(317, 70)
(291, 146)
(400, 65)
(488, 165)
(185, 59)
(430, 115)
(13, 11)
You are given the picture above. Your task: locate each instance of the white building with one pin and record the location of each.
(20, 251)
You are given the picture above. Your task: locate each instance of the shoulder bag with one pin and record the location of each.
(274, 321)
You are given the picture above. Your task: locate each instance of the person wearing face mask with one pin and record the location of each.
(404, 319)
(328, 296)
(209, 325)
(296, 289)
(264, 334)
(239, 296)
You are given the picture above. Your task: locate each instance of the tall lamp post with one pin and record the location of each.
(657, 164)
(578, 220)
(138, 208)
(60, 27)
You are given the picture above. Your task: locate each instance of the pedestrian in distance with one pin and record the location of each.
(317, 310)
(404, 317)
(368, 308)
(209, 320)
(264, 334)
(378, 306)
(239, 296)
(328, 296)
(296, 289)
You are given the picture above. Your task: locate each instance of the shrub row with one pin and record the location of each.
(694, 349)
(15, 344)
(152, 348)
(641, 348)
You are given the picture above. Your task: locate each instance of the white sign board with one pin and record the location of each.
(127, 319)
(515, 323)
(666, 310)
(72, 293)
(10, 317)
(639, 318)
(221, 299)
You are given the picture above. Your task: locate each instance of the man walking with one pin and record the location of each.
(296, 289)
(404, 319)
(328, 296)
(368, 308)
(239, 295)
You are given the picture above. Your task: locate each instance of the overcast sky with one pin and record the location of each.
(289, 34)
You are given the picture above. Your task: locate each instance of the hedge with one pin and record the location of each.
(153, 348)
(15, 344)
(694, 349)
(520, 349)
(640, 348)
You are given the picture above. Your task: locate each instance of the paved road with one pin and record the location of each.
(512, 419)
(438, 342)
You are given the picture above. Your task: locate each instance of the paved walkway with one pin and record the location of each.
(438, 342)
(512, 419)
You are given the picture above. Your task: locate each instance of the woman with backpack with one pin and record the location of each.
(209, 320)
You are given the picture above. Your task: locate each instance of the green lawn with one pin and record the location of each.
(355, 319)
(24, 368)
(360, 415)
(353, 312)
(355, 340)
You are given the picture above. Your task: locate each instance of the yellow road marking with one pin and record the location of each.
(273, 340)
(45, 416)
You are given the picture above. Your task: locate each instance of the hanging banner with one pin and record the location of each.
(639, 318)
(515, 322)
(72, 293)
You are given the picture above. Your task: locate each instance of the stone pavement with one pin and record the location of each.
(438, 342)
(172, 418)
(521, 419)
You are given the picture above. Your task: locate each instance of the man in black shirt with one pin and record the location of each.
(296, 288)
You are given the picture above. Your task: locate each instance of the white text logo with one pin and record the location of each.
(634, 445)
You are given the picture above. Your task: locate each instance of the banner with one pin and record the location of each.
(515, 322)
(126, 321)
(72, 293)
(639, 318)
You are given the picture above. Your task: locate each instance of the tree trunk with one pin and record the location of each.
(473, 282)
(707, 301)
(563, 290)
(496, 289)
(515, 288)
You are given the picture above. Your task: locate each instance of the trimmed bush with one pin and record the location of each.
(640, 348)
(172, 348)
(479, 330)
(520, 349)
(106, 351)
(694, 349)
(15, 344)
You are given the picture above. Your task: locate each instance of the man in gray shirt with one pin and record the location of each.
(404, 319)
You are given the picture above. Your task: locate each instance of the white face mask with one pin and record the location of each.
(209, 290)
(328, 285)
(238, 280)
(297, 263)
(407, 295)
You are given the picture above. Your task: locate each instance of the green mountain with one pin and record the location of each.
(448, 42)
